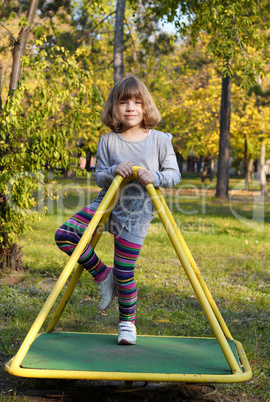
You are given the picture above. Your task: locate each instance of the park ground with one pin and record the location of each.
(230, 241)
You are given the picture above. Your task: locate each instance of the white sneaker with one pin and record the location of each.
(126, 333)
(107, 290)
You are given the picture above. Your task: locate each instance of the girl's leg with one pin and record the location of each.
(68, 236)
(125, 256)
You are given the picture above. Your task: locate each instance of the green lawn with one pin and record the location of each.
(230, 241)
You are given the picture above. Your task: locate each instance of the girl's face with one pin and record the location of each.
(130, 112)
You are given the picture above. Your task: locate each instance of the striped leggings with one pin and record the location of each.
(125, 256)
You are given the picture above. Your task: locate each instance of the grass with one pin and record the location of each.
(230, 241)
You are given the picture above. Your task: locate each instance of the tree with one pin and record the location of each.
(184, 83)
(86, 26)
(46, 106)
(250, 124)
(233, 33)
(20, 44)
(9, 253)
(261, 96)
(118, 62)
(236, 31)
(222, 189)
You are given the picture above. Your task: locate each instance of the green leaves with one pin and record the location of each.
(38, 132)
(236, 28)
(24, 22)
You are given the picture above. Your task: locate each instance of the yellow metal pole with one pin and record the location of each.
(195, 267)
(76, 277)
(30, 337)
(194, 281)
(74, 280)
(106, 202)
(71, 286)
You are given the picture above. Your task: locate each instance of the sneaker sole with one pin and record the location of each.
(125, 342)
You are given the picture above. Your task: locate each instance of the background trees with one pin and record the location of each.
(41, 114)
(237, 40)
(53, 112)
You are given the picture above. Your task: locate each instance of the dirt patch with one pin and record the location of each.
(12, 279)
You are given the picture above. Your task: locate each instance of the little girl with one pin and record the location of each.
(131, 114)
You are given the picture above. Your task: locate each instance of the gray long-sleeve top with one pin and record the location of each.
(134, 210)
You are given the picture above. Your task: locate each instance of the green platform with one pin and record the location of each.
(151, 354)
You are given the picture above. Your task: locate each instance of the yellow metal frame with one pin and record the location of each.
(219, 327)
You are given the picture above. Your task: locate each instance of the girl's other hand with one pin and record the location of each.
(145, 177)
(124, 169)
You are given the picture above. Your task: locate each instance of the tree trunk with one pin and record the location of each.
(249, 172)
(204, 169)
(1, 80)
(118, 60)
(246, 163)
(179, 160)
(256, 165)
(199, 164)
(10, 254)
(222, 190)
(212, 166)
(20, 44)
(264, 190)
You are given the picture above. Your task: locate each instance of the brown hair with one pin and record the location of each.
(125, 89)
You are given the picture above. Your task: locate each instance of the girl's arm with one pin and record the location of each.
(104, 171)
(168, 174)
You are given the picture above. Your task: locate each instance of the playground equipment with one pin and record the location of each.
(60, 355)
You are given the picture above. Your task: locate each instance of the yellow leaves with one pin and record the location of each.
(41, 40)
(164, 114)
(80, 52)
(249, 111)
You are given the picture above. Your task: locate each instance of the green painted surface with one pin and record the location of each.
(98, 352)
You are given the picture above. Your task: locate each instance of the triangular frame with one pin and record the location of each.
(240, 372)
